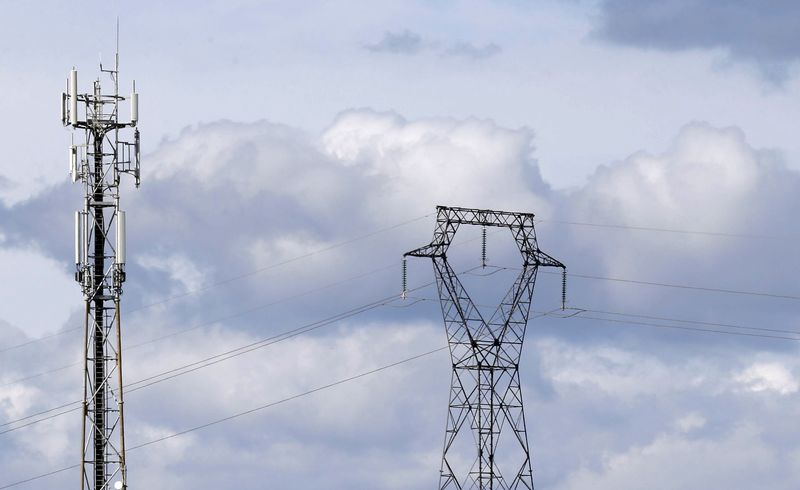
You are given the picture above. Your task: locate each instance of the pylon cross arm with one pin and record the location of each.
(448, 220)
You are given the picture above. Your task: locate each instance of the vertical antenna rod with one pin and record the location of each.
(485, 388)
(98, 163)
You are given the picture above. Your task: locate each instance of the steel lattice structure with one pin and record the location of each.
(485, 392)
(98, 163)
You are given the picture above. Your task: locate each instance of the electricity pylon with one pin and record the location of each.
(485, 392)
(98, 162)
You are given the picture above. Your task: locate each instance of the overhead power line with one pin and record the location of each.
(287, 399)
(40, 339)
(68, 408)
(282, 263)
(230, 316)
(671, 285)
(579, 315)
(234, 278)
(202, 363)
(217, 358)
(656, 284)
(39, 374)
(40, 476)
(235, 314)
(662, 230)
(389, 228)
(247, 412)
(209, 361)
(345, 380)
(496, 269)
(693, 322)
(684, 286)
(244, 413)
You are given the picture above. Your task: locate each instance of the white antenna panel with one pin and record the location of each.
(134, 108)
(120, 237)
(73, 97)
(78, 238)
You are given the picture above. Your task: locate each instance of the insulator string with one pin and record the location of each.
(405, 279)
(483, 247)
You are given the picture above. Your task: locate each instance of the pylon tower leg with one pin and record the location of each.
(485, 393)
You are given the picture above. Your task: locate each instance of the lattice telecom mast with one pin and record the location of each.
(98, 163)
(485, 392)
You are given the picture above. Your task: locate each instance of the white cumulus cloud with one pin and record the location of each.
(766, 377)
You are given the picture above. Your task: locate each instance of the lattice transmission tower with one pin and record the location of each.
(485, 391)
(97, 162)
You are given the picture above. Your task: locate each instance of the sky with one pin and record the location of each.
(293, 151)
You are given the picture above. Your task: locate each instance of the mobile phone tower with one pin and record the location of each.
(485, 391)
(97, 161)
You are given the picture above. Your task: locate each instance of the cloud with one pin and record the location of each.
(405, 42)
(226, 198)
(621, 372)
(415, 165)
(468, 50)
(410, 43)
(325, 430)
(709, 179)
(27, 270)
(16, 400)
(762, 377)
(745, 29)
(741, 459)
(606, 403)
(707, 169)
(690, 423)
(179, 269)
(641, 434)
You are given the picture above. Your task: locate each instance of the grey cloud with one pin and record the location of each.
(764, 33)
(468, 50)
(405, 42)
(411, 43)
(6, 185)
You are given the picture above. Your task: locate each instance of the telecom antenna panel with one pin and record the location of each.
(485, 390)
(97, 161)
